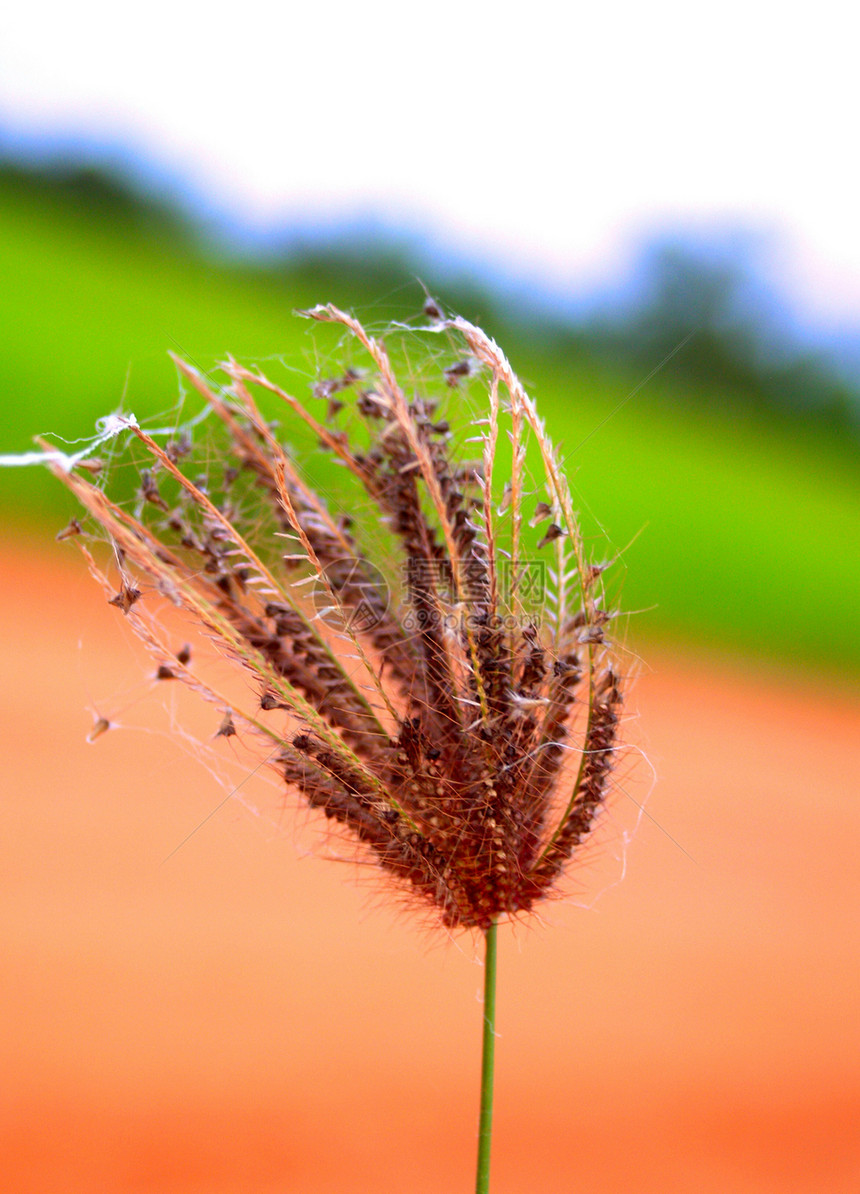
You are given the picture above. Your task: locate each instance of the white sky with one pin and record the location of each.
(547, 137)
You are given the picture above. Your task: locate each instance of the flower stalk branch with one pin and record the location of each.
(488, 1059)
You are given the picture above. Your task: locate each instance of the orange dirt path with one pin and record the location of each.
(246, 1017)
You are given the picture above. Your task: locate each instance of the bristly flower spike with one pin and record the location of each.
(464, 735)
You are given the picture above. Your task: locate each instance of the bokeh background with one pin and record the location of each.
(655, 213)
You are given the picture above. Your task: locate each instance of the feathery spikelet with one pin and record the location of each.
(465, 734)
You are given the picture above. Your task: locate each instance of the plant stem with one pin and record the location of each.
(485, 1128)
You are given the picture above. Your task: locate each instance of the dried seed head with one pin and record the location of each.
(458, 714)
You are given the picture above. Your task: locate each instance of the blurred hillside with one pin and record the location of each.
(735, 457)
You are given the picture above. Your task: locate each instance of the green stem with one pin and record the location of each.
(485, 1128)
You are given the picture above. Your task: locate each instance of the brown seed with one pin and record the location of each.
(100, 726)
(432, 310)
(126, 598)
(542, 512)
(553, 532)
(73, 528)
(227, 728)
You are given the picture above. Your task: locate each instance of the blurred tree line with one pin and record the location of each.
(703, 310)
(737, 342)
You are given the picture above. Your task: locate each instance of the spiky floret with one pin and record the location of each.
(466, 737)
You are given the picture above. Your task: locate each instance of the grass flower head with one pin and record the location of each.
(460, 718)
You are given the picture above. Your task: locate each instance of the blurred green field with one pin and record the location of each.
(746, 527)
